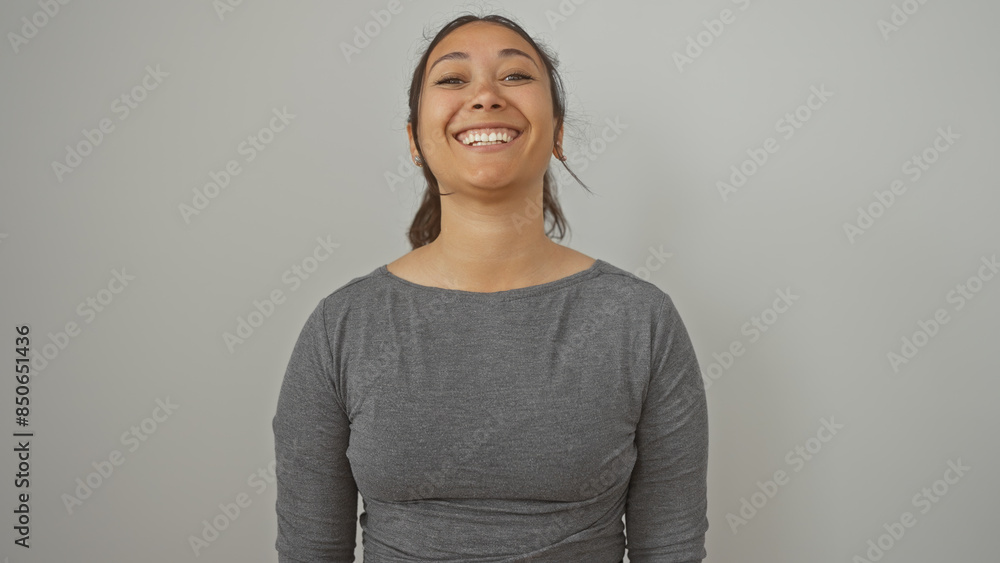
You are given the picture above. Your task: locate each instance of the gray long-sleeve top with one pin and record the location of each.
(501, 427)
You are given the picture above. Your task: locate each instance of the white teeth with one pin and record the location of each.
(492, 137)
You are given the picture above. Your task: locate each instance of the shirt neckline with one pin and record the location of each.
(506, 294)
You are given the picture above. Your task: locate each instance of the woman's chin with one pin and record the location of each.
(487, 180)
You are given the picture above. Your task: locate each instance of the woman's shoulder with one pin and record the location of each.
(410, 267)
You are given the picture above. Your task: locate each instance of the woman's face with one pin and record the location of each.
(485, 78)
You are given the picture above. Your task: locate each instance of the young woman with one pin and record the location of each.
(493, 395)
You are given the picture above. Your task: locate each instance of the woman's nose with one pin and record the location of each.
(487, 94)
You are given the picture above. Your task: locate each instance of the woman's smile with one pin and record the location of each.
(488, 139)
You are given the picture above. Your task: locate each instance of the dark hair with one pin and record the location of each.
(426, 224)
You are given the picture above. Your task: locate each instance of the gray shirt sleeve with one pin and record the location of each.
(316, 493)
(665, 513)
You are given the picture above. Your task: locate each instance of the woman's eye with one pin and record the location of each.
(513, 77)
(519, 76)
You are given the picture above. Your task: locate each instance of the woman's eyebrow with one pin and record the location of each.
(504, 53)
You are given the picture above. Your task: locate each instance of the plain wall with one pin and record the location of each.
(835, 211)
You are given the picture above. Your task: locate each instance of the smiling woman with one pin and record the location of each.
(487, 108)
(492, 395)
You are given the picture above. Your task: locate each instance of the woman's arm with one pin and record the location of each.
(317, 496)
(665, 512)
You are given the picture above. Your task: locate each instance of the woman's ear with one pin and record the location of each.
(414, 152)
(557, 151)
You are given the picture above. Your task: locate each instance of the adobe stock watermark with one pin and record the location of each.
(249, 148)
(293, 278)
(225, 7)
(796, 458)
(366, 32)
(914, 167)
(122, 106)
(899, 17)
(133, 438)
(958, 297)
(580, 159)
(714, 28)
(563, 11)
(611, 308)
(377, 367)
(654, 261)
(788, 125)
(589, 152)
(925, 499)
(754, 328)
(583, 333)
(229, 512)
(31, 26)
(405, 170)
(88, 309)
